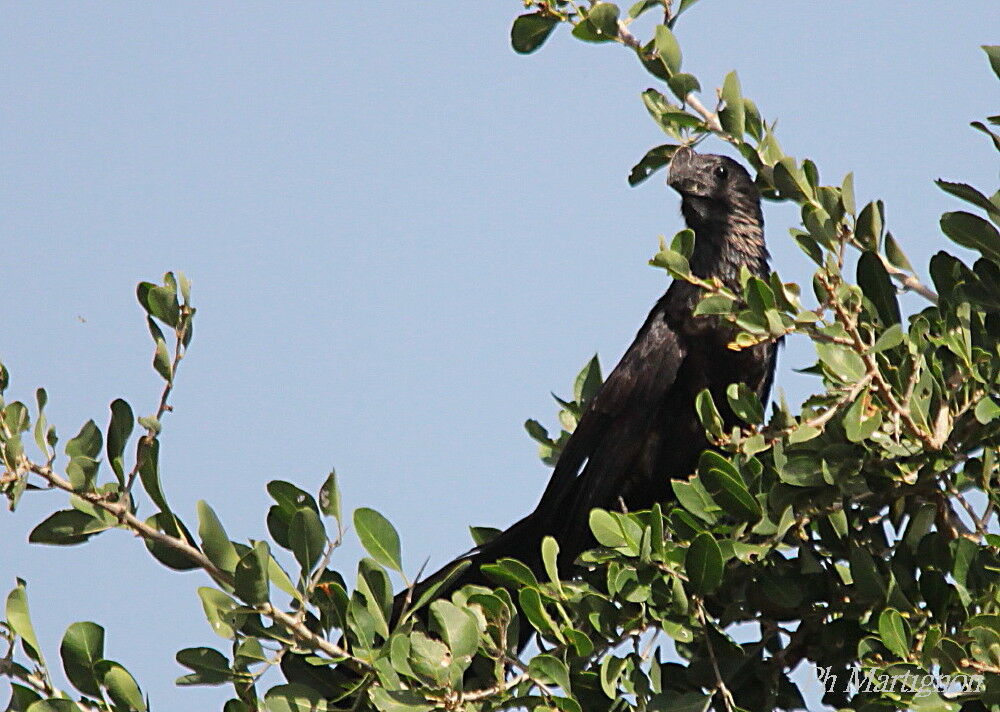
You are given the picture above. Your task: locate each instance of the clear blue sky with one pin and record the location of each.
(401, 235)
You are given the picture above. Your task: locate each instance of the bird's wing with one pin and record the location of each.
(613, 429)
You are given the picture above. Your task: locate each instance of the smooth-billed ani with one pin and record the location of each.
(641, 429)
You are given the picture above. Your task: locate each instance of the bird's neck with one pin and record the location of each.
(727, 241)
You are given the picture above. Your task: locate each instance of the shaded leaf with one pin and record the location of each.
(119, 430)
(530, 31)
(209, 665)
(877, 286)
(66, 527)
(972, 231)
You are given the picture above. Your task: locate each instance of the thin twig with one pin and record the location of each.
(909, 281)
(179, 333)
(710, 117)
(476, 695)
(727, 696)
(120, 511)
(885, 390)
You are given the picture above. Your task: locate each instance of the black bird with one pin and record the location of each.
(641, 429)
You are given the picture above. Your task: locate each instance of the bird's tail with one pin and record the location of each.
(521, 541)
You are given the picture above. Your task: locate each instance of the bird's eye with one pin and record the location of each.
(720, 172)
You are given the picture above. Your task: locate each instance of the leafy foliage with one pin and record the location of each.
(854, 533)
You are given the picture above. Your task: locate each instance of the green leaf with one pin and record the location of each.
(877, 286)
(122, 688)
(549, 668)
(733, 117)
(19, 619)
(588, 381)
(307, 537)
(654, 160)
(745, 403)
(329, 497)
(682, 84)
(606, 529)
(858, 424)
(184, 285)
(513, 571)
(867, 577)
(642, 6)
(209, 665)
(683, 243)
(550, 556)
(482, 535)
(81, 649)
(993, 53)
(732, 495)
(41, 424)
(161, 361)
(703, 564)
(251, 575)
(290, 498)
(972, 231)
(980, 126)
(894, 253)
(54, 704)
(378, 537)
(841, 362)
(370, 606)
(603, 17)
(429, 658)
(534, 611)
(66, 527)
(21, 698)
(394, 701)
(443, 585)
(868, 228)
(694, 498)
(220, 611)
(611, 670)
(152, 424)
(673, 262)
(680, 702)
(83, 451)
(457, 627)
(847, 194)
(530, 31)
(987, 411)
(214, 540)
(160, 302)
(714, 304)
(894, 632)
(708, 413)
(148, 455)
(889, 339)
(970, 195)
(169, 524)
(119, 431)
(668, 48)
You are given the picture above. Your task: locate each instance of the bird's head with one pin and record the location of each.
(710, 185)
